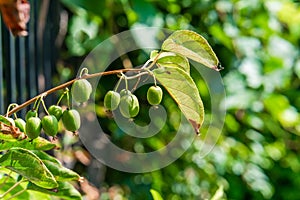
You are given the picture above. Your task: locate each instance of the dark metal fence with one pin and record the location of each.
(28, 63)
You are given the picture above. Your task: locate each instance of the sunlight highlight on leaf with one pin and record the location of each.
(194, 46)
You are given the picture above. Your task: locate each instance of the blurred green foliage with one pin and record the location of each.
(257, 42)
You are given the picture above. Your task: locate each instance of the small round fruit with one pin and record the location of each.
(33, 127)
(124, 92)
(81, 90)
(129, 106)
(20, 123)
(56, 111)
(111, 100)
(30, 113)
(50, 125)
(154, 95)
(71, 120)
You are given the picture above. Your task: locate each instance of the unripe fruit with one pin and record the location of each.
(71, 120)
(81, 90)
(20, 123)
(33, 127)
(30, 113)
(124, 92)
(111, 100)
(154, 95)
(129, 106)
(50, 125)
(56, 111)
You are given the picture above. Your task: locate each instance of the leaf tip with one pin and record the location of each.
(219, 67)
(196, 126)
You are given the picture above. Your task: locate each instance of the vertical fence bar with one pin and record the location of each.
(25, 59)
(12, 70)
(8, 47)
(20, 72)
(1, 72)
(31, 53)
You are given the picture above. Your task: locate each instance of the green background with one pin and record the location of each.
(257, 42)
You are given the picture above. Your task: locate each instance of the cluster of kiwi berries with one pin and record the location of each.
(128, 103)
(81, 91)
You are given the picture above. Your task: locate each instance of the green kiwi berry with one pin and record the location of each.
(30, 113)
(56, 111)
(129, 106)
(154, 95)
(124, 92)
(21, 124)
(81, 90)
(111, 100)
(33, 127)
(50, 125)
(71, 120)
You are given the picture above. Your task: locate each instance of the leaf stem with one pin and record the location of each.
(44, 106)
(118, 83)
(64, 85)
(9, 107)
(10, 189)
(62, 95)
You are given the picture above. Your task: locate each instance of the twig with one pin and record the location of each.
(64, 85)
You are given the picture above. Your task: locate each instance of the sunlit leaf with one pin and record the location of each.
(170, 59)
(184, 91)
(59, 172)
(192, 45)
(155, 195)
(28, 165)
(64, 190)
(8, 142)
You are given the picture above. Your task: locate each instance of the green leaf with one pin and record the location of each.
(155, 195)
(34, 195)
(8, 142)
(184, 91)
(194, 46)
(8, 184)
(64, 190)
(27, 164)
(59, 172)
(5, 120)
(170, 59)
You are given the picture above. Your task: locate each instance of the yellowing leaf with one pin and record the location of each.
(184, 91)
(192, 45)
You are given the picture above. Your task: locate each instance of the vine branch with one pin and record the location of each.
(64, 85)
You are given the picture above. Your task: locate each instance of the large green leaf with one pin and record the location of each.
(184, 91)
(8, 142)
(192, 45)
(59, 172)
(64, 190)
(27, 164)
(170, 59)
